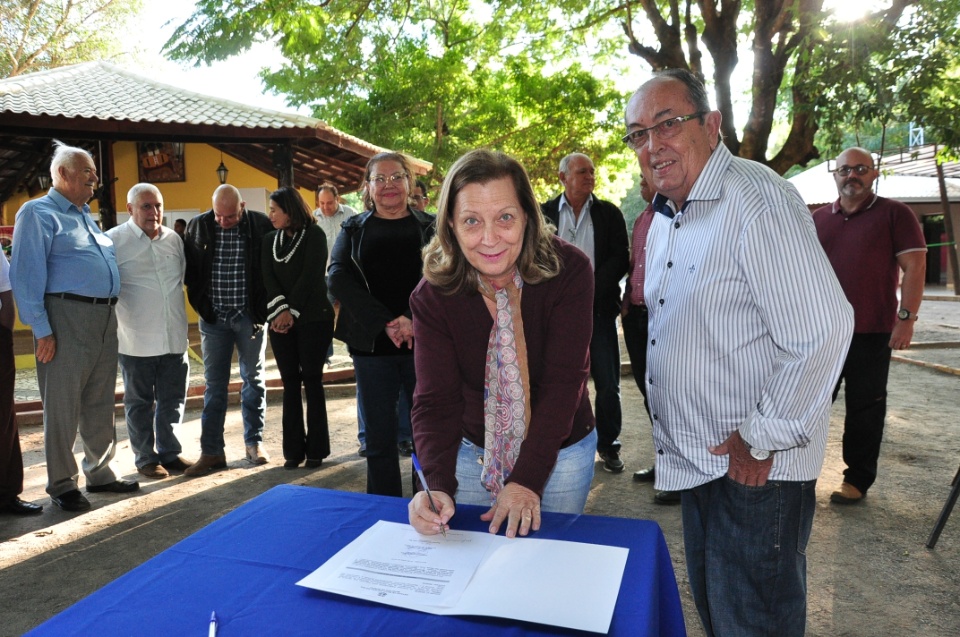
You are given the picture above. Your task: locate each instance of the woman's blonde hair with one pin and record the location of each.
(444, 264)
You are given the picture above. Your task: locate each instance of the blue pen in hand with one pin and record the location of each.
(426, 489)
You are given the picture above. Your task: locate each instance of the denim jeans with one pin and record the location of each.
(746, 555)
(380, 380)
(218, 341)
(864, 377)
(154, 395)
(301, 370)
(605, 371)
(566, 489)
(405, 430)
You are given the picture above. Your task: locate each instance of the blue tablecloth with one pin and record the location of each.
(245, 567)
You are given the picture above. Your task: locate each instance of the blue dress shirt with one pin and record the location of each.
(57, 247)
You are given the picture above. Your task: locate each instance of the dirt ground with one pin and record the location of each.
(869, 573)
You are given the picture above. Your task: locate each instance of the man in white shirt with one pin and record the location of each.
(152, 332)
(748, 329)
(331, 214)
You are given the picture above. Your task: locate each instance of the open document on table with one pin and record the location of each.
(569, 584)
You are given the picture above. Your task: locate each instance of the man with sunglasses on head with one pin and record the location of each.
(748, 328)
(869, 240)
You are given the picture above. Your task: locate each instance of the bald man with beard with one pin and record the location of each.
(869, 239)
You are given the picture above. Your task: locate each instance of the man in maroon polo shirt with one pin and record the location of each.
(869, 240)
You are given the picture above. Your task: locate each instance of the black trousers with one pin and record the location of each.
(300, 354)
(11, 460)
(635, 337)
(864, 377)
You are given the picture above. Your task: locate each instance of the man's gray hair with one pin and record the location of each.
(565, 162)
(134, 193)
(64, 156)
(696, 91)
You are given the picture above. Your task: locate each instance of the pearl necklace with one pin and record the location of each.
(297, 237)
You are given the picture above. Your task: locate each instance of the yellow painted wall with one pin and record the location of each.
(200, 164)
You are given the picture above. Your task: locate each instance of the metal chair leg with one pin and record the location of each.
(945, 513)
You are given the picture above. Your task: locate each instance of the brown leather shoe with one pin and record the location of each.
(257, 455)
(153, 470)
(848, 494)
(205, 465)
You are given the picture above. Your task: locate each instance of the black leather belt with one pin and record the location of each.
(84, 299)
(639, 308)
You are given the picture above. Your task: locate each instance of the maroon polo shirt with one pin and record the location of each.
(863, 247)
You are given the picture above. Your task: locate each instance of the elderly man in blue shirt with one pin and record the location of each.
(65, 281)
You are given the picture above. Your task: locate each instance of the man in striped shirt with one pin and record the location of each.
(748, 330)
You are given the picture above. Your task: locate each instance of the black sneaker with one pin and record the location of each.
(611, 461)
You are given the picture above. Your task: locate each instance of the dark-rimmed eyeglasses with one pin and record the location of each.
(664, 130)
(860, 169)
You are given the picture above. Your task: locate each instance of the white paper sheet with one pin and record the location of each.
(569, 584)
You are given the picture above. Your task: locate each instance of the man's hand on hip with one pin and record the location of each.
(743, 467)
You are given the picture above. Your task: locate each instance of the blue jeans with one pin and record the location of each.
(605, 371)
(218, 341)
(746, 555)
(148, 381)
(566, 489)
(405, 430)
(380, 380)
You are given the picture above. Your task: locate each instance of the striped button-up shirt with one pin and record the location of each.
(748, 326)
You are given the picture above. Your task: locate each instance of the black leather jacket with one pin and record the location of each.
(361, 317)
(199, 243)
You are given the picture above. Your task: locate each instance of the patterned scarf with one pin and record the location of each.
(506, 389)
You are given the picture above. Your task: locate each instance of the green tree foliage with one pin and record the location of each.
(810, 72)
(43, 34)
(817, 84)
(436, 77)
(433, 78)
(880, 80)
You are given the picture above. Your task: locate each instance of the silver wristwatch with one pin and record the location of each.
(757, 454)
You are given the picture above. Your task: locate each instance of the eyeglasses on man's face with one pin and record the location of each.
(380, 180)
(860, 169)
(664, 130)
(419, 198)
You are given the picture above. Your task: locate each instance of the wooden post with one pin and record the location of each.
(283, 162)
(107, 193)
(951, 235)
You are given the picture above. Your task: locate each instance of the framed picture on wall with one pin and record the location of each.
(159, 162)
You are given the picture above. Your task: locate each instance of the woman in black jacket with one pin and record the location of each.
(376, 264)
(301, 323)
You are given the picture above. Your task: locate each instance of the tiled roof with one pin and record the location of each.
(86, 103)
(125, 96)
